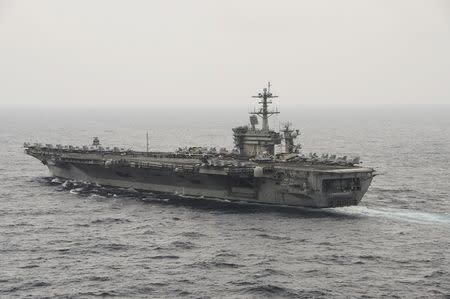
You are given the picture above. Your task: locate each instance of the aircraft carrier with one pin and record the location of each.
(256, 170)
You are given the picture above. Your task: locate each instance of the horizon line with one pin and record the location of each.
(205, 106)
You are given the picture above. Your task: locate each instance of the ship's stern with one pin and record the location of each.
(340, 188)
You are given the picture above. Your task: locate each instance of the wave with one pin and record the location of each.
(110, 247)
(390, 190)
(109, 220)
(29, 266)
(437, 274)
(193, 235)
(276, 238)
(27, 286)
(225, 254)
(182, 245)
(163, 257)
(273, 291)
(271, 272)
(214, 264)
(99, 278)
(99, 294)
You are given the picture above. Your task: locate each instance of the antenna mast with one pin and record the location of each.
(263, 112)
(147, 143)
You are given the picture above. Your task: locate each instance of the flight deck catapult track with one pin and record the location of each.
(253, 172)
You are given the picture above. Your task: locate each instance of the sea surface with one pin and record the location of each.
(79, 241)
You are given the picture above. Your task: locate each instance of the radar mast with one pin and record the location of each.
(264, 112)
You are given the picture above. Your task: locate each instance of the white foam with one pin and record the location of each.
(397, 214)
(56, 181)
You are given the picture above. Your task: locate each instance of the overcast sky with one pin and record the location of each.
(209, 53)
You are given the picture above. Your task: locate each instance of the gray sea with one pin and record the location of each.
(85, 242)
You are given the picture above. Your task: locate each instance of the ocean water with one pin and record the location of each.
(80, 241)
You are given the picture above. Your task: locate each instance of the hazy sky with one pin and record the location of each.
(135, 53)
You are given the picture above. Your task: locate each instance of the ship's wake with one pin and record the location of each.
(396, 214)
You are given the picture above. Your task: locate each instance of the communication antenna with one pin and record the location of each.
(147, 143)
(263, 112)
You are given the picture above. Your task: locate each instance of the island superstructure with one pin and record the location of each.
(252, 172)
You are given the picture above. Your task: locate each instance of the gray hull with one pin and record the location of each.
(316, 189)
